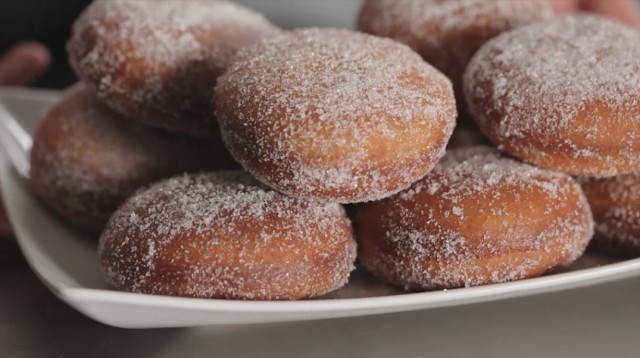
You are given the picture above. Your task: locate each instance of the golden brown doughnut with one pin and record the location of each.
(223, 235)
(334, 115)
(446, 33)
(562, 95)
(477, 218)
(86, 159)
(157, 61)
(615, 203)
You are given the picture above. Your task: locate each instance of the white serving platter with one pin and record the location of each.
(66, 261)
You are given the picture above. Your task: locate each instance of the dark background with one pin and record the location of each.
(45, 21)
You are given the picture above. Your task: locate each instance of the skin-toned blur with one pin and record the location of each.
(25, 61)
(22, 63)
(626, 11)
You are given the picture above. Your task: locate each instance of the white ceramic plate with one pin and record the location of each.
(67, 262)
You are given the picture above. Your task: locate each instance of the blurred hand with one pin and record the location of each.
(22, 63)
(18, 66)
(626, 11)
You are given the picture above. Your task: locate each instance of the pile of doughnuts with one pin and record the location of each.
(447, 33)
(214, 151)
(563, 95)
(86, 159)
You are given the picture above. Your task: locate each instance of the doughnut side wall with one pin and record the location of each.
(223, 235)
(334, 115)
(477, 219)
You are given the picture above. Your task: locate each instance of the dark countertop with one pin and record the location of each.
(600, 321)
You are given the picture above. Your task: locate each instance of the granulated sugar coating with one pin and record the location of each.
(562, 95)
(334, 115)
(223, 235)
(157, 61)
(446, 33)
(86, 159)
(477, 218)
(615, 203)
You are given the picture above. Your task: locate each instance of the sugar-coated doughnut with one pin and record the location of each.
(615, 203)
(224, 235)
(334, 115)
(86, 159)
(562, 95)
(447, 33)
(477, 218)
(157, 61)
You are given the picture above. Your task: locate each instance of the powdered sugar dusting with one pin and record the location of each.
(334, 115)
(447, 33)
(477, 218)
(615, 203)
(86, 159)
(158, 61)
(564, 89)
(224, 235)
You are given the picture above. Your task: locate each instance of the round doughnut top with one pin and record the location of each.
(329, 105)
(558, 67)
(433, 23)
(569, 85)
(339, 77)
(166, 33)
(492, 187)
(193, 204)
(224, 232)
(481, 169)
(140, 55)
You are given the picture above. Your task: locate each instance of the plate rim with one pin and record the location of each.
(76, 296)
(568, 280)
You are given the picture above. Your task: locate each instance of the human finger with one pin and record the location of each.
(22, 63)
(626, 11)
